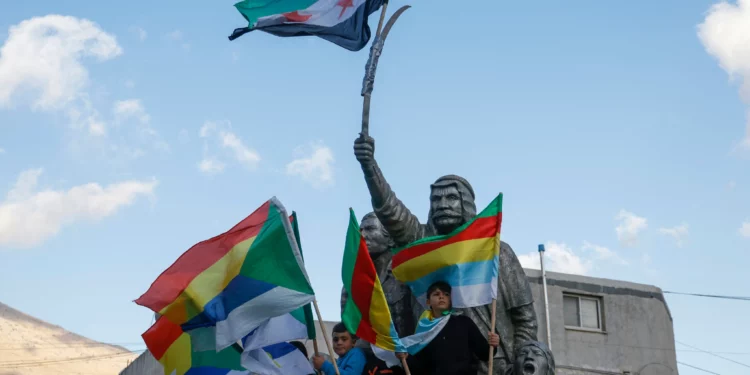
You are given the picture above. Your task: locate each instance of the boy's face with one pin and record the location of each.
(342, 343)
(439, 301)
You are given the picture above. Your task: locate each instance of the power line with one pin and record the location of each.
(698, 368)
(713, 354)
(710, 296)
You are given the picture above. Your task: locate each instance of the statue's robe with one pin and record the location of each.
(515, 316)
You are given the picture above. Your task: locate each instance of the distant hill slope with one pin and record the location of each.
(29, 346)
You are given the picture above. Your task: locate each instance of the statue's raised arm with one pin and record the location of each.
(403, 226)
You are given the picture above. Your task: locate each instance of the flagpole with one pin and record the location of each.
(325, 336)
(494, 310)
(406, 366)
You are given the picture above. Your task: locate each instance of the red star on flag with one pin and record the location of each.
(296, 17)
(344, 4)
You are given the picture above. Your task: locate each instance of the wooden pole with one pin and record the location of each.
(494, 311)
(325, 336)
(492, 330)
(406, 366)
(315, 346)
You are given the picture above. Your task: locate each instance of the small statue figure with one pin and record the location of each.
(452, 205)
(398, 294)
(533, 358)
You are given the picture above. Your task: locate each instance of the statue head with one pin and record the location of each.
(451, 204)
(534, 358)
(378, 239)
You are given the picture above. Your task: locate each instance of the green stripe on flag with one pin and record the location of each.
(253, 10)
(306, 317)
(273, 259)
(351, 316)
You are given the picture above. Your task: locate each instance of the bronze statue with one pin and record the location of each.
(398, 294)
(533, 358)
(452, 205)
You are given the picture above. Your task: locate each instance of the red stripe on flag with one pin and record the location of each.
(168, 286)
(363, 282)
(161, 336)
(482, 227)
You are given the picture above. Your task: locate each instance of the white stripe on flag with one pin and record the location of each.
(469, 295)
(413, 343)
(250, 315)
(276, 330)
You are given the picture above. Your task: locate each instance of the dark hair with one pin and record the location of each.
(341, 328)
(438, 285)
(300, 346)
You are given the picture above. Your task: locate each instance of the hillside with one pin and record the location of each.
(29, 346)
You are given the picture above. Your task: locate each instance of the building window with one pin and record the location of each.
(582, 312)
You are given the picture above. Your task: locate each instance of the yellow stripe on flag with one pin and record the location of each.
(380, 318)
(177, 359)
(474, 250)
(208, 284)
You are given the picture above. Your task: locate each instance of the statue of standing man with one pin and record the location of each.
(452, 205)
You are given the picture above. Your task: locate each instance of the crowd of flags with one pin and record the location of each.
(230, 304)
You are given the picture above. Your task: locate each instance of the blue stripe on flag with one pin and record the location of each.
(279, 350)
(239, 291)
(456, 275)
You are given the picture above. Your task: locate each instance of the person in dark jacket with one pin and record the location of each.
(458, 347)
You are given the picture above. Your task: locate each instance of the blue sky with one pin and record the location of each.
(617, 133)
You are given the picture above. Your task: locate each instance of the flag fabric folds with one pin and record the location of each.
(236, 281)
(467, 259)
(427, 329)
(366, 312)
(278, 359)
(191, 353)
(342, 22)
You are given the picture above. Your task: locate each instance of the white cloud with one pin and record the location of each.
(745, 229)
(242, 153)
(44, 55)
(210, 166)
(2, 150)
(725, 34)
(28, 216)
(314, 165)
(207, 129)
(175, 35)
(131, 108)
(679, 233)
(142, 34)
(178, 37)
(558, 257)
(629, 227)
(603, 253)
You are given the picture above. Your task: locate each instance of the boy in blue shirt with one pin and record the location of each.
(351, 360)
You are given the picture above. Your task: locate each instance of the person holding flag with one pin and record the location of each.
(456, 346)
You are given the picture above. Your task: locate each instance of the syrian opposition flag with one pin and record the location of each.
(343, 22)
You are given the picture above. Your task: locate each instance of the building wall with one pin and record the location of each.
(637, 331)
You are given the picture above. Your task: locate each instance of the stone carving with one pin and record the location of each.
(398, 295)
(533, 358)
(451, 205)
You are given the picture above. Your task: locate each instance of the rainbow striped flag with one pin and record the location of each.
(235, 281)
(191, 353)
(467, 259)
(366, 312)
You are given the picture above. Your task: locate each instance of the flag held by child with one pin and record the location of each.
(342, 22)
(467, 259)
(366, 312)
